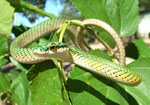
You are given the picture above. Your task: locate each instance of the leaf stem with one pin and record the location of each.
(3, 56)
(63, 29)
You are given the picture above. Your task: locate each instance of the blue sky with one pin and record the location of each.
(50, 7)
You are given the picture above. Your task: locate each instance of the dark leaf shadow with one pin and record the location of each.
(79, 86)
(131, 51)
(39, 67)
(130, 99)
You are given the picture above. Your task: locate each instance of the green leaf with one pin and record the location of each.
(3, 50)
(87, 89)
(13, 74)
(3, 61)
(143, 48)
(100, 53)
(4, 45)
(16, 5)
(141, 92)
(35, 9)
(46, 86)
(17, 64)
(4, 82)
(6, 19)
(19, 89)
(17, 30)
(122, 15)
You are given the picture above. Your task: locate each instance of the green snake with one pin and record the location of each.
(61, 51)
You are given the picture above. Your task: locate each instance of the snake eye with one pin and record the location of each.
(53, 47)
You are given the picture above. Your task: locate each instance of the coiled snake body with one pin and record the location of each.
(62, 52)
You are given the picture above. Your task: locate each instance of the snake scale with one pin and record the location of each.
(61, 51)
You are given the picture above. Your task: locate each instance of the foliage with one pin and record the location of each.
(6, 20)
(144, 5)
(42, 83)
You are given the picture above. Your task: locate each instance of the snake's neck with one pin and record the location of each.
(65, 56)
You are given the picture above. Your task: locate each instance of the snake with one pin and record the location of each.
(61, 51)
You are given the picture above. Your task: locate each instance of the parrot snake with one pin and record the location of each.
(60, 51)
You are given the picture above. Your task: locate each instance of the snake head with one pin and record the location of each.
(51, 49)
(56, 50)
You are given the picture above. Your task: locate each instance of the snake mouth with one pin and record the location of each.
(41, 53)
